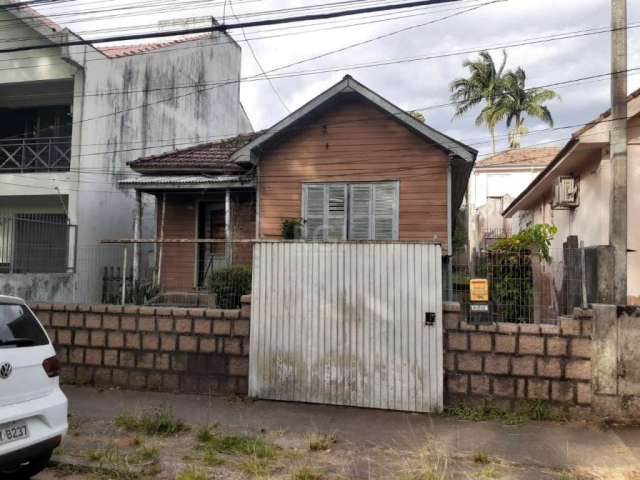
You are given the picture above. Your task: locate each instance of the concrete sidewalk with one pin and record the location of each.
(549, 445)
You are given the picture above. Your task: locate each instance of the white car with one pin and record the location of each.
(33, 409)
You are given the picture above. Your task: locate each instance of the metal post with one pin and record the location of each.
(136, 235)
(227, 225)
(583, 268)
(124, 276)
(162, 214)
(618, 150)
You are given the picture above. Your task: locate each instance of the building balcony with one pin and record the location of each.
(36, 154)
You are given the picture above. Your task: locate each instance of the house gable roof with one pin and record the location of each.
(246, 155)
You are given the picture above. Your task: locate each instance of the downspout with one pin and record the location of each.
(77, 154)
(449, 233)
(257, 202)
(227, 226)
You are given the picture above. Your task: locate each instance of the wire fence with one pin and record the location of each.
(523, 287)
(209, 273)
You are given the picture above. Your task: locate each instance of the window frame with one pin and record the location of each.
(348, 214)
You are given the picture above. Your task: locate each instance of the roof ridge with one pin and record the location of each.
(19, 6)
(123, 50)
(192, 147)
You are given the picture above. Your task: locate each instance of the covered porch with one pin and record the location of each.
(202, 226)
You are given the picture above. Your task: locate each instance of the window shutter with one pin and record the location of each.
(314, 209)
(336, 200)
(360, 210)
(385, 208)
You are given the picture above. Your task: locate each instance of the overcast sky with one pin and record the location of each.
(424, 83)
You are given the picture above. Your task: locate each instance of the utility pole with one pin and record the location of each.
(618, 150)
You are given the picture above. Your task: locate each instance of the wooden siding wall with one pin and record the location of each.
(178, 260)
(355, 142)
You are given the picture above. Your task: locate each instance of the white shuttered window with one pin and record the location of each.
(357, 211)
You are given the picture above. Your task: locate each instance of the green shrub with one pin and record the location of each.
(229, 284)
(292, 228)
(151, 421)
(508, 266)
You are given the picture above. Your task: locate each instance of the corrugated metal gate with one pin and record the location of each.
(347, 324)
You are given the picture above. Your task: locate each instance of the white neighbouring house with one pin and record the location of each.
(70, 120)
(573, 193)
(494, 182)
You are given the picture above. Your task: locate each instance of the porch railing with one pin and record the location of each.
(40, 154)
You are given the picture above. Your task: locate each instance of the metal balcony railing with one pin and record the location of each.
(39, 154)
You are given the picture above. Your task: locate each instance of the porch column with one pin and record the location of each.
(227, 225)
(136, 236)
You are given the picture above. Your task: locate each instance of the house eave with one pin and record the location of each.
(247, 155)
(567, 161)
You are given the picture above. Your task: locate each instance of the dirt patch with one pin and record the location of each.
(149, 445)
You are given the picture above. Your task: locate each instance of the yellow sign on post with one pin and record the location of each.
(479, 290)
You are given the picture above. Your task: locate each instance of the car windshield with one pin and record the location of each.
(19, 328)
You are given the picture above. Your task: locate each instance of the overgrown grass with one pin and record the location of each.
(426, 465)
(204, 434)
(537, 410)
(212, 458)
(192, 473)
(152, 421)
(123, 465)
(239, 445)
(481, 457)
(306, 473)
(320, 442)
(256, 466)
(487, 473)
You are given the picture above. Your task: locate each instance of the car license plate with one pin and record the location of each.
(12, 432)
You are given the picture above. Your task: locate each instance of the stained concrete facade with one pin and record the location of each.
(122, 107)
(586, 158)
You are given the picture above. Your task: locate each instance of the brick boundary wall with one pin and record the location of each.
(506, 364)
(188, 350)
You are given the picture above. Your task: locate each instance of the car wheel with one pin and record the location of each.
(25, 472)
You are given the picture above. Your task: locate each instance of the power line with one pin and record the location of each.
(254, 78)
(387, 17)
(226, 27)
(199, 90)
(255, 57)
(342, 154)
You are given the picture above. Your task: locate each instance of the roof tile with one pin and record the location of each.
(520, 156)
(212, 156)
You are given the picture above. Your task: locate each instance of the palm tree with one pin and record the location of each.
(518, 101)
(485, 83)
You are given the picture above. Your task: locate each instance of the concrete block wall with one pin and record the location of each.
(193, 350)
(506, 364)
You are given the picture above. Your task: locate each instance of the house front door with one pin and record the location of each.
(211, 225)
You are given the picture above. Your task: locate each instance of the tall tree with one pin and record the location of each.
(518, 101)
(485, 83)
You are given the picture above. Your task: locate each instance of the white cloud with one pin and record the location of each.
(425, 83)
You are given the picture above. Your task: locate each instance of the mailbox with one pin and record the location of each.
(479, 306)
